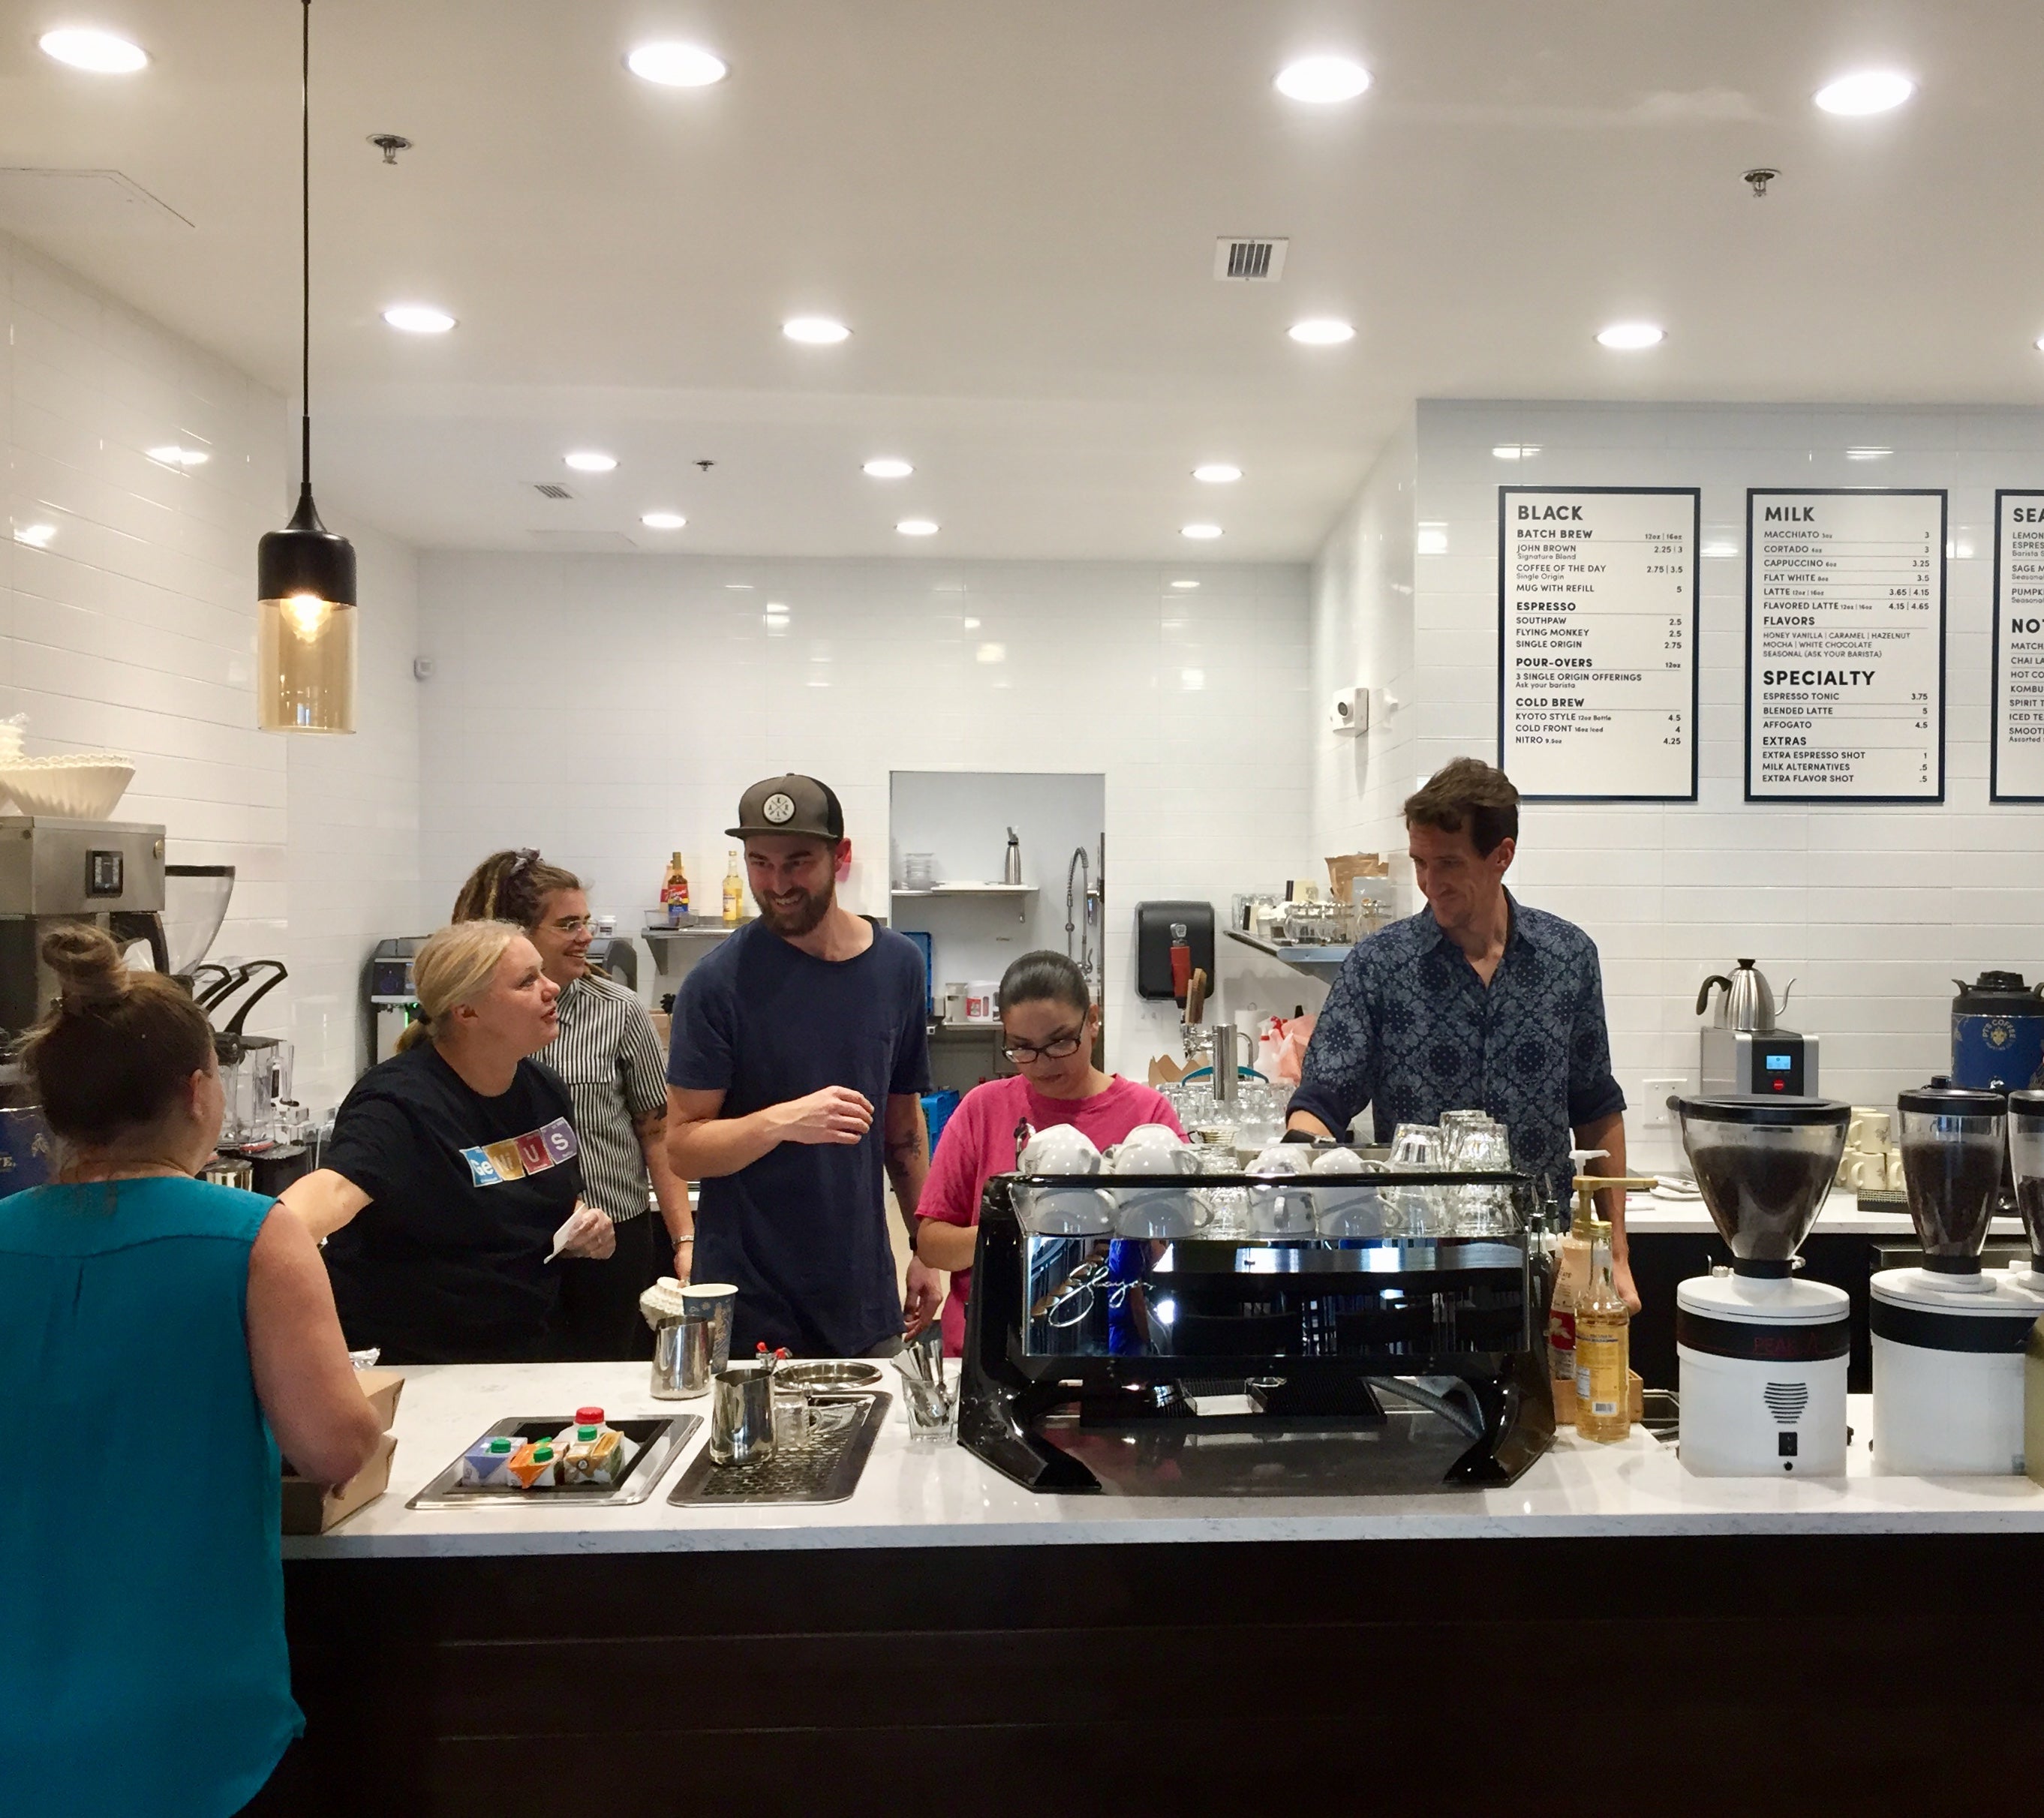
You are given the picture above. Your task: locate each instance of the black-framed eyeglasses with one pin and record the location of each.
(1057, 1047)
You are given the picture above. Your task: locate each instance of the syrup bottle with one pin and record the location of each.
(1604, 1360)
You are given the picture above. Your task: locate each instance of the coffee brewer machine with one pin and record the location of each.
(109, 873)
(1745, 1050)
(1232, 1335)
(1949, 1337)
(1762, 1355)
(390, 1002)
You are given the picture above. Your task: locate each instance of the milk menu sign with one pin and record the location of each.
(2016, 765)
(1845, 646)
(1597, 601)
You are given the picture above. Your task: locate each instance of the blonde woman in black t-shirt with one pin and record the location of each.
(455, 1168)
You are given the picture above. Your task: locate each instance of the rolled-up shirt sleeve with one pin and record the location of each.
(1593, 1093)
(1339, 1073)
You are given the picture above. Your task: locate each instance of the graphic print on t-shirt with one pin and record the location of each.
(530, 1154)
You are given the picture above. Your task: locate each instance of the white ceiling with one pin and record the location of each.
(1014, 206)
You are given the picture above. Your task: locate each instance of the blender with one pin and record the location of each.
(1948, 1338)
(1762, 1355)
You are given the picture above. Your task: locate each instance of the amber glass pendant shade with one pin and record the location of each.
(304, 628)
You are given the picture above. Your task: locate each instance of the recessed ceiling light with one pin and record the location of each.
(1185, 586)
(917, 527)
(887, 467)
(1201, 533)
(662, 520)
(591, 461)
(36, 535)
(677, 66)
(1867, 91)
(418, 318)
(1321, 332)
(1631, 337)
(1217, 473)
(1868, 454)
(101, 52)
(815, 331)
(1323, 79)
(171, 455)
(1514, 451)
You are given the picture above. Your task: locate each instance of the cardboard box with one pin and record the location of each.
(313, 1507)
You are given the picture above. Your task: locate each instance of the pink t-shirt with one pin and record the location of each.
(978, 1143)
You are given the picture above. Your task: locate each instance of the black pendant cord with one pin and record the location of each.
(305, 247)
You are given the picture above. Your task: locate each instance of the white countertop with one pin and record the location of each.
(913, 1498)
(1840, 1217)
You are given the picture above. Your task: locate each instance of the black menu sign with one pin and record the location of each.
(1597, 602)
(2015, 767)
(1845, 646)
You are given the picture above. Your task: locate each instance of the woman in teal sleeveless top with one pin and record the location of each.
(154, 1331)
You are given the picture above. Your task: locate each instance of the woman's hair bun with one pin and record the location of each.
(88, 965)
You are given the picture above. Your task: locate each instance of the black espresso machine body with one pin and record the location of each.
(1080, 1339)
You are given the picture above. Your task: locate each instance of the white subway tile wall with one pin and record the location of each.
(1872, 911)
(609, 710)
(127, 622)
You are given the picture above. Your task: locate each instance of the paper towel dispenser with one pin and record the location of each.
(1155, 924)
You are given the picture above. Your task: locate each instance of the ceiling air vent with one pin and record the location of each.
(1250, 261)
(551, 489)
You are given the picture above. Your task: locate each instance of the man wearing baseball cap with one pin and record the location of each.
(795, 1078)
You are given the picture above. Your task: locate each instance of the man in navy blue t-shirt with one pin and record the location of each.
(795, 1078)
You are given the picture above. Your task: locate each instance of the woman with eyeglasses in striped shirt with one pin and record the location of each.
(607, 1056)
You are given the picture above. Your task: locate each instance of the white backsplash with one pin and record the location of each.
(607, 710)
(127, 622)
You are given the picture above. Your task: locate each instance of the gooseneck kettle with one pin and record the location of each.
(1747, 1003)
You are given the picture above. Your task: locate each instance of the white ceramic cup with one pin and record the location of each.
(1062, 1149)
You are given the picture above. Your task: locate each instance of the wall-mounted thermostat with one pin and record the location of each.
(1350, 711)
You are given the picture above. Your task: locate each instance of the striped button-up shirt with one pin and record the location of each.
(609, 1059)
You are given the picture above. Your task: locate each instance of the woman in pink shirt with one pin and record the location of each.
(1049, 1023)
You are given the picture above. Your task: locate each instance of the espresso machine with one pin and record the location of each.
(1948, 1336)
(1762, 1355)
(1235, 1336)
(109, 873)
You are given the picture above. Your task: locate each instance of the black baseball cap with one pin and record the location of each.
(794, 805)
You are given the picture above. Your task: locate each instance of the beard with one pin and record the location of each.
(791, 922)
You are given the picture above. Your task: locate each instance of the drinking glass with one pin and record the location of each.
(1422, 1211)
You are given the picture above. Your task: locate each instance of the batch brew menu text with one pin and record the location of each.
(1845, 646)
(1598, 642)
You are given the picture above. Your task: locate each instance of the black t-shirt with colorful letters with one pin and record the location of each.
(446, 1263)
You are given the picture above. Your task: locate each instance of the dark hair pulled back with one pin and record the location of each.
(513, 887)
(114, 1052)
(1045, 976)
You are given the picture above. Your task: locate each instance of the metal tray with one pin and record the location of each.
(658, 1440)
(825, 1468)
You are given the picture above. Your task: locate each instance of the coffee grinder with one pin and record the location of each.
(1949, 1337)
(1762, 1355)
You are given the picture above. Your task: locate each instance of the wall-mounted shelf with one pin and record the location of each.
(1017, 894)
(694, 932)
(1315, 962)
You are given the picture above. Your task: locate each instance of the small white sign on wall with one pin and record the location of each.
(1845, 645)
(1597, 676)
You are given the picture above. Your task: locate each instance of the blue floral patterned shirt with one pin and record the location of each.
(1411, 1031)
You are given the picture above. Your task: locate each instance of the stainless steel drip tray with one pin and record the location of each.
(824, 1468)
(657, 1438)
(1410, 1455)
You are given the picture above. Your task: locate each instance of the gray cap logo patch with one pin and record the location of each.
(778, 809)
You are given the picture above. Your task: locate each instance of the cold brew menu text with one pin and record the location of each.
(1845, 646)
(1597, 643)
(2017, 766)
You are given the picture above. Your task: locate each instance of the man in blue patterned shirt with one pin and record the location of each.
(1476, 1003)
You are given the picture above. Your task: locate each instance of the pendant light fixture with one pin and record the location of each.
(304, 575)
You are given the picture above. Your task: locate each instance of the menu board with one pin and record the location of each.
(1597, 676)
(1845, 646)
(2015, 765)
